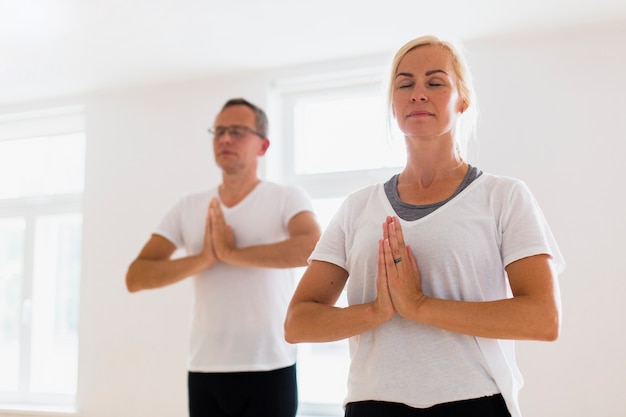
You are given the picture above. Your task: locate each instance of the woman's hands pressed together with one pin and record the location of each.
(399, 281)
(532, 314)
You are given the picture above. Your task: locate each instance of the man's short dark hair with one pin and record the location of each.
(262, 124)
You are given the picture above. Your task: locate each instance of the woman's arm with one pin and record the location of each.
(312, 315)
(532, 314)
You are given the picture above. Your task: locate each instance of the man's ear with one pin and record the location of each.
(264, 146)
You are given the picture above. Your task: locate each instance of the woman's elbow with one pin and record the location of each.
(554, 330)
(294, 328)
(289, 338)
(132, 283)
(290, 333)
(131, 286)
(548, 334)
(550, 327)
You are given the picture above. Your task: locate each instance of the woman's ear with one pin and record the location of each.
(462, 106)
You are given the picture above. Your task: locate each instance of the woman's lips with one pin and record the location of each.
(419, 113)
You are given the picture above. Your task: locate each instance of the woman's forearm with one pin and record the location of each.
(520, 318)
(314, 322)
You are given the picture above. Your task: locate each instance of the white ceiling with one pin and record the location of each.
(55, 48)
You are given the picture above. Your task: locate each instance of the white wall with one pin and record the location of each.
(554, 114)
(553, 109)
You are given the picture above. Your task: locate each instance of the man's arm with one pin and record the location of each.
(153, 268)
(304, 232)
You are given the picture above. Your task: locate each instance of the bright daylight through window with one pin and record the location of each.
(41, 185)
(338, 134)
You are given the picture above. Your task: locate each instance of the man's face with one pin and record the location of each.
(236, 144)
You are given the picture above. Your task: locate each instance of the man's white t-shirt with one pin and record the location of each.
(238, 312)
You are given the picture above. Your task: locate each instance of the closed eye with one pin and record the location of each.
(405, 84)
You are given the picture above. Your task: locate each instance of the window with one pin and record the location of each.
(334, 141)
(329, 134)
(41, 184)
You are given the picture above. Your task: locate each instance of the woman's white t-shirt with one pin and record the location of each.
(461, 250)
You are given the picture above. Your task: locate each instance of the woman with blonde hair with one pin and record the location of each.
(445, 265)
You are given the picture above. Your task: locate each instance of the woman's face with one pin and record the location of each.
(426, 100)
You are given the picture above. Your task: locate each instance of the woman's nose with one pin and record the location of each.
(419, 95)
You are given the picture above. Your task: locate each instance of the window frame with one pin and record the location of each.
(46, 123)
(285, 92)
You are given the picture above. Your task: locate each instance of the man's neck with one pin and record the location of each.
(234, 189)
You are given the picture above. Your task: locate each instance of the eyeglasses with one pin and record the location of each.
(234, 131)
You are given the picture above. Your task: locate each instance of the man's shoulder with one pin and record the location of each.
(276, 188)
(198, 196)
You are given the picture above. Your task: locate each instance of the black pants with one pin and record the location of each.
(493, 406)
(243, 394)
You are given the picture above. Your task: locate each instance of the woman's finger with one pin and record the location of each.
(396, 240)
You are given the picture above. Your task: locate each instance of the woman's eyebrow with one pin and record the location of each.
(427, 73)
(431, 72)
(404, 74)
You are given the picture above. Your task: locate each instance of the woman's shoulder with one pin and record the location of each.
(356, 201)
(502, 188)
(499, 182)
(364, 193)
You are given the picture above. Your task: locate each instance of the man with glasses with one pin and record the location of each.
(243, 239)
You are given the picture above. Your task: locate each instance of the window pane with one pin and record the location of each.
(42, 166)
(343, 134)
(56, 274)
(323, 369)
(11, 272)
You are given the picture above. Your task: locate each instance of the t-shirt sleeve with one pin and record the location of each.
(170, 225)
(332, 244)
(296, 201)
(525, 230)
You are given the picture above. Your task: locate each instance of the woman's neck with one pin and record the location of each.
(432, 173)
(428, 163)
